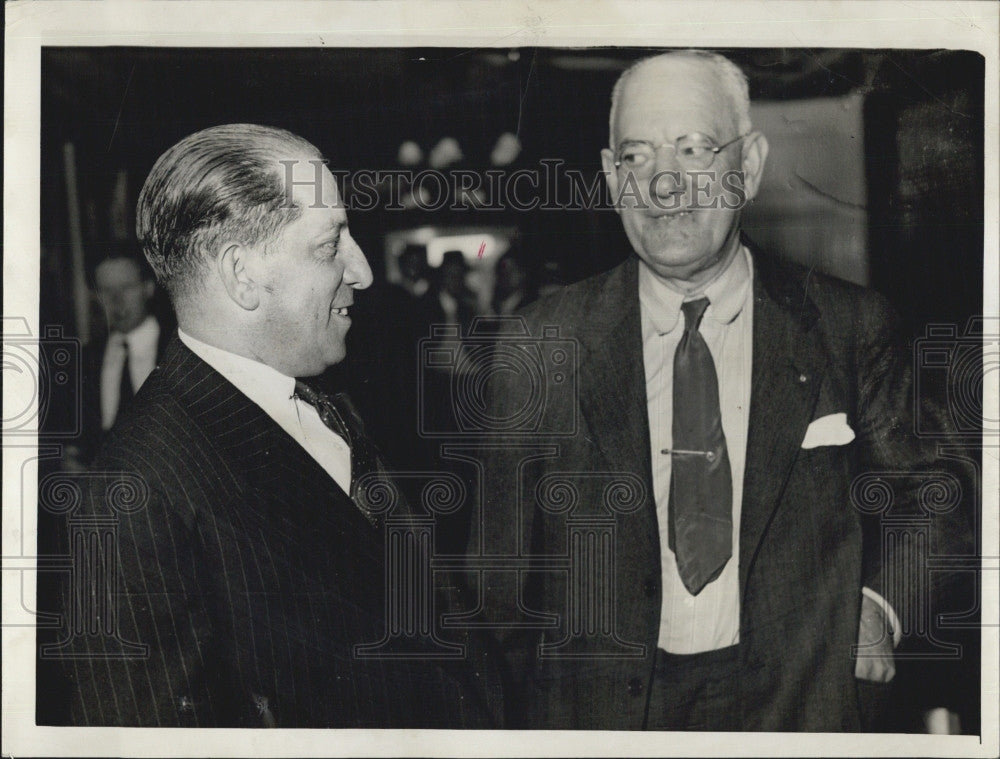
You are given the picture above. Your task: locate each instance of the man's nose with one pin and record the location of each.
(666, 158)
(669, 178)
(357, 273)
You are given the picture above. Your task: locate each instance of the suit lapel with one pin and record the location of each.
(276, 468)
(613, 404)
(166, 335)
(612, 379)
(788, 367)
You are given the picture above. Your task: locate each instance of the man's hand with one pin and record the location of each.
(875, 659)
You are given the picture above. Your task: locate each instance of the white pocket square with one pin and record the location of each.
(832, 429)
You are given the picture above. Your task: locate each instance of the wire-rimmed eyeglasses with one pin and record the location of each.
(693, 151)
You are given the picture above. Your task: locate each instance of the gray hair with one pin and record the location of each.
(733, 80)
(222, 183)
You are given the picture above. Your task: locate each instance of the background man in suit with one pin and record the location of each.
(742, 396)
(115, 367)
(251, 560)
(133, 332)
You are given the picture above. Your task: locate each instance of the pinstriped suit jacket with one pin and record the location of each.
(249, 575)
(92, 362)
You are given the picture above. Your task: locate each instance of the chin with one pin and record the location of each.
(673, 257)
(334, 356)
(319, 361)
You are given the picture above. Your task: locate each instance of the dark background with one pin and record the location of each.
(122, 107)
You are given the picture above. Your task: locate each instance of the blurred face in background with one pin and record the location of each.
(412, 265)
(123, 293)
(453, 277)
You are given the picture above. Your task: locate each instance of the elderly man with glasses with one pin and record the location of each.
(741, 396)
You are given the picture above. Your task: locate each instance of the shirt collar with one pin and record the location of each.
(727, 295)
(265, 386)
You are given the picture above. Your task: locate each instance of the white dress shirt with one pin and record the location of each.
(275, 394)
(142, 343)
(691, 624)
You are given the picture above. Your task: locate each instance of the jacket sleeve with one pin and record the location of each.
(916, 500)
(140, 645)
(502, 525)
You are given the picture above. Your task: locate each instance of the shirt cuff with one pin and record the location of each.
(897, 630)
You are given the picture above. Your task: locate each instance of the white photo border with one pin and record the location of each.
(453, 23)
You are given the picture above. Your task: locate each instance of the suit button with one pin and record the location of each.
(650, 587)
(635, 687)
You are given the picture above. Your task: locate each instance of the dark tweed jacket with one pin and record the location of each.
(820, 346)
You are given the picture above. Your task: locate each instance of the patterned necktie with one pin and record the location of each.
(701, 487)
(338, 413)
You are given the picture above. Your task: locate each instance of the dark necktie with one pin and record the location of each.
(701, 487)
(125, 389)
(338, 413)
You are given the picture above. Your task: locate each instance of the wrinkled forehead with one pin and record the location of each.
(678, 96)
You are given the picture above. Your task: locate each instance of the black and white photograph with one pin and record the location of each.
(510, 379)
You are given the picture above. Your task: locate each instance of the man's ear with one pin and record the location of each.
(231, 264)
(755, 149)
(610, 175)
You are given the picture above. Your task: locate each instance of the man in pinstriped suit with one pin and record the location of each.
(250, 572)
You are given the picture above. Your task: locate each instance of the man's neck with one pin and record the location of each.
(214, 331)
(145, 323)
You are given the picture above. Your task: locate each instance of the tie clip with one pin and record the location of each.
(710, 455)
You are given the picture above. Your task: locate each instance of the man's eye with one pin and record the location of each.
(634, 157)
(695, 151)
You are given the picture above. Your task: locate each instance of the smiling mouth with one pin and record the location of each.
(339, 311)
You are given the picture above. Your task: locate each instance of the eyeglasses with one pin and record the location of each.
(693, 151)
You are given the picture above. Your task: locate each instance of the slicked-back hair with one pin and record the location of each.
(224, 183)
(731, 77)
